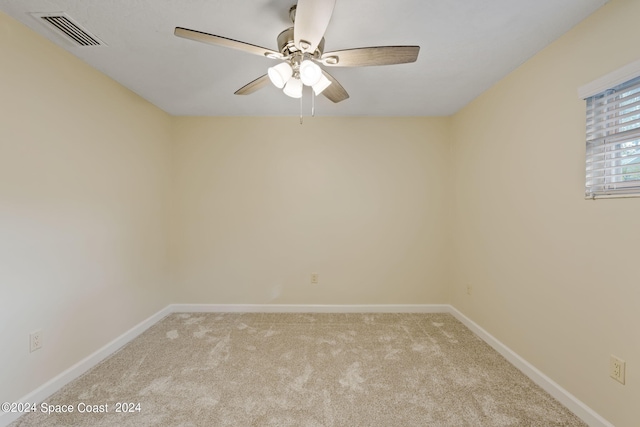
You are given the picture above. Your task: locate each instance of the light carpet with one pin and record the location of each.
(259, 369)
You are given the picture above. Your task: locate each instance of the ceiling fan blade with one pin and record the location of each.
(335, 92)
(311, 21)
(367, 56)
(255, 85)
(199, 36)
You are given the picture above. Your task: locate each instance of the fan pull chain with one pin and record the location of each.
(301, 110)
(313, 104)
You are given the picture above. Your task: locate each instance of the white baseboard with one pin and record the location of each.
(47, 389)
(567, 399)
(307, 308)
(571, 402)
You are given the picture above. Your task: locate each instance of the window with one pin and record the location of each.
(613, 141)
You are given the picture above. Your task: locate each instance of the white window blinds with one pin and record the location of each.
(613, 141)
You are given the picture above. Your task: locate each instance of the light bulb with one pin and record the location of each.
(322, 84)
(280, 74)
(310, 72)
(293, 88)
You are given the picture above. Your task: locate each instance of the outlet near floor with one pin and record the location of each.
(35, 340)
(314, 278)
(616, 368)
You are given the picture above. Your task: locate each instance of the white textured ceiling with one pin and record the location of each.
(466, 46)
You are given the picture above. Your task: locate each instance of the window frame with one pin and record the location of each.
(605, 144)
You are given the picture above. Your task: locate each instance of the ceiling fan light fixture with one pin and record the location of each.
(280, 74)
(322, 84)
(293, 88)
(310, 72)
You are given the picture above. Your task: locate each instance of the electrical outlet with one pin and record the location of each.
(469, 289)
(616, 368)
(314, 278)
(35, 340)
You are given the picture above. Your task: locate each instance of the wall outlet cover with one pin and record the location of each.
(617, 368)
(35, 340)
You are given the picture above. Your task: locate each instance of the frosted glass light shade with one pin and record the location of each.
(293, 88)
(280, 74)
(310, 72)
(322, 84)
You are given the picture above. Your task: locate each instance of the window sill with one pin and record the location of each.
(612, 196)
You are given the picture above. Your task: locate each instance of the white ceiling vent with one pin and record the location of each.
(62, 24)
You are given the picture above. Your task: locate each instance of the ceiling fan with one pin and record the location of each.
(301, 50)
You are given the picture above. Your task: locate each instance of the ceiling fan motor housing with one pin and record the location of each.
(287, 46)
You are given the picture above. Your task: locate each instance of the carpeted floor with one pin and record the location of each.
(254, 369)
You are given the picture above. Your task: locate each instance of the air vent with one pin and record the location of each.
(61, 23)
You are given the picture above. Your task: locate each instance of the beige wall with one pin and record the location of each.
(261, 203)
(84, 170)
(553, 276)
